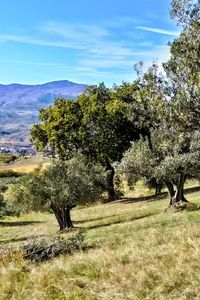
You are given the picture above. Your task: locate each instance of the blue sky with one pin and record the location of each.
(87, 41)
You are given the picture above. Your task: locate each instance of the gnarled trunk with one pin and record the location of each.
(179, 196)
(110, 181)
(63, 217)
(158, 188)
(171, 191)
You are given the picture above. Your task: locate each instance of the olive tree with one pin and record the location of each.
(183, 66)
(60, 187)
(170, 161)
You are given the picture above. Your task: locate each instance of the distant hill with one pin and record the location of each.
(19, 106)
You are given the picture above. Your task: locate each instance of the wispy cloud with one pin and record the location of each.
(158, 30)
(75, 31)
(31, 40)
(33, 63)
(96, 50)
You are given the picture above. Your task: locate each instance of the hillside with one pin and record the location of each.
(19, 105)
(135, 251)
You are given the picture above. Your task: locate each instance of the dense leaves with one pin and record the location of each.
(60, 187)
(96, 124)
(7, 158)
(183, 67)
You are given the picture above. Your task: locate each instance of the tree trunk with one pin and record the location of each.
(179, 196)
(149, 140)
(171, 191)
(158, 188)
(110, 182)
(63, 216)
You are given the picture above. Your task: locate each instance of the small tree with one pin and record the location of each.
(60, 188)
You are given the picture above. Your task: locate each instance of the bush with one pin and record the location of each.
(2, 205)
(7, 158)
(6, 209)
(9, 173)
(3, 187)
(44, 249)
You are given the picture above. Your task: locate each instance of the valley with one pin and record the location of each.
(20, 105)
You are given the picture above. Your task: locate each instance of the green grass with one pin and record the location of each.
(135, 251)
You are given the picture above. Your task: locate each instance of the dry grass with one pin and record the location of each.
(26, 164)
(136, 251)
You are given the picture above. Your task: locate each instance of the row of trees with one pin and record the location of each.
(150, 127)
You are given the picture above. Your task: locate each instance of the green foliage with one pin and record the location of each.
(6, 209)
(96, 124)
(60, 187)
(165, 161)
(40, 250)
(2, 205)
(3, 188)
(8, 177)
(183, 67)
(9, 173)
(138, 162)
(147, 111)
(185, 12)
(68, 183)
(6, 158)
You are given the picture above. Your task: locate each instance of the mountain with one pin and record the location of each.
(19, 106)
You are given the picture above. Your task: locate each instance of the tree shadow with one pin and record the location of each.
(21, 239)
(141, 199)
(95, 219)
(19, 223)
(154, 197)
(192, 189)
(119, 221)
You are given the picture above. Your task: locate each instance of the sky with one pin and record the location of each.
(84, 41)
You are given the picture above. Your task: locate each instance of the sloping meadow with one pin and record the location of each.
(132, 251)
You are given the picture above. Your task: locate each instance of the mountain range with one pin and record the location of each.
(20, 105)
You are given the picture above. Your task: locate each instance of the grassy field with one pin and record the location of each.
(135, 251)
(26, 164)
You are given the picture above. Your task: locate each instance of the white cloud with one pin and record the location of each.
(31, 40)
(33, 63)
(158, 30)
(98, 50)
(75, 31)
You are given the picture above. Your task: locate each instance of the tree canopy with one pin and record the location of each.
(96, 124)
(60, 187)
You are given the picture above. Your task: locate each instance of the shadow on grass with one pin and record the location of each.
(96, 219)
(155, 197)
(21, 239)
(119, 221)
(141, 199)
(192, 189)
(19, 223)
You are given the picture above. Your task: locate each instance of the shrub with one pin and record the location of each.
(9, 173)
(44, 249)
(7, 209)
(7, 158)
(3, 187)
(2, 205)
